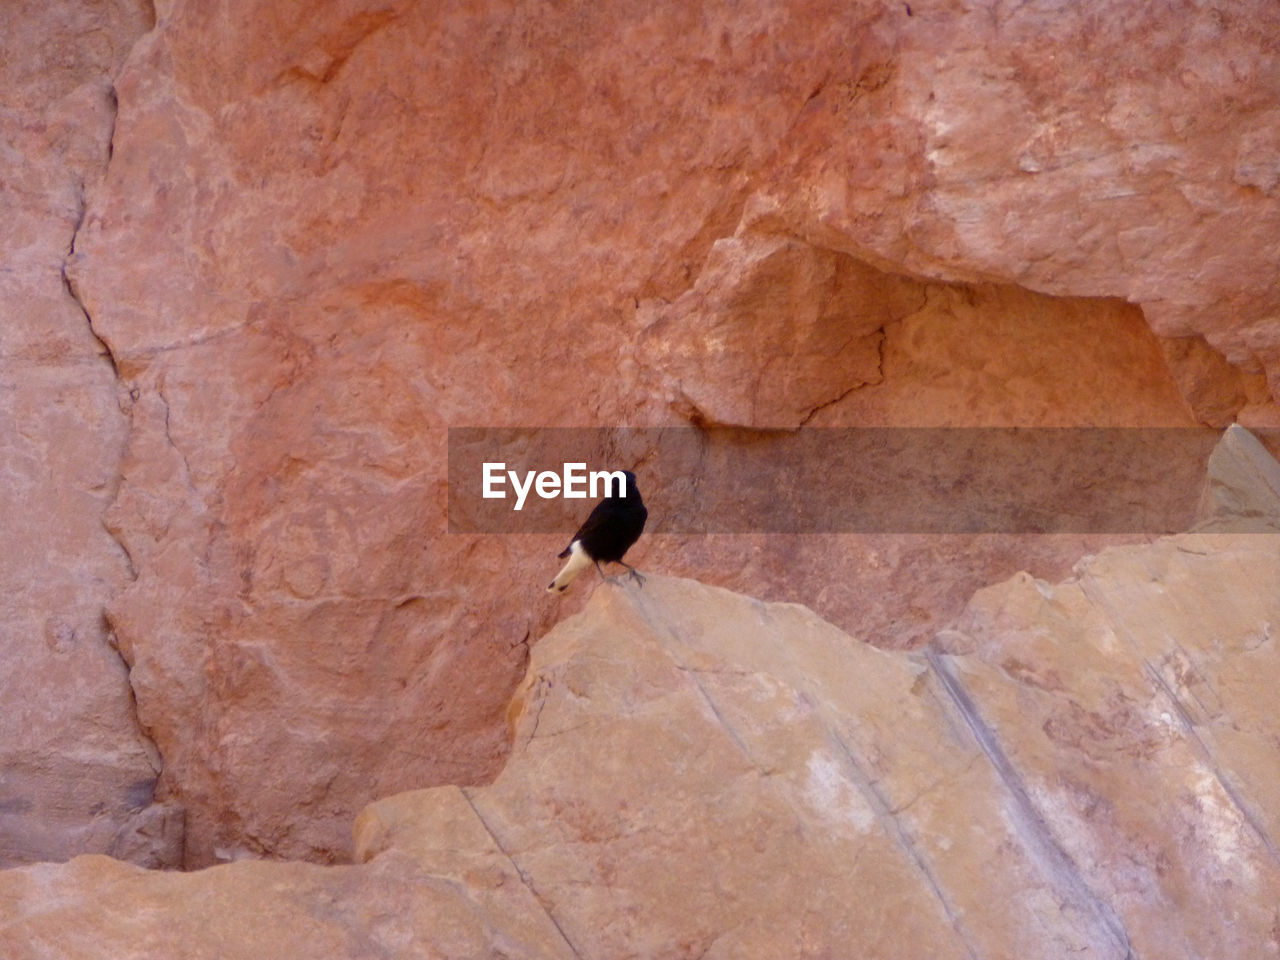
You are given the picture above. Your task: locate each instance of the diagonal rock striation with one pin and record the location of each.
(1086, 768)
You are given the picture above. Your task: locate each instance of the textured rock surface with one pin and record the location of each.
(76, 773)
(960, 356)
(857, 347)
(326, 234)
(1081, 769)
(1242, 489)
(1120, 149)
(1143, 729)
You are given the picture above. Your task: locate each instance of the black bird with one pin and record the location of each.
(610, 530)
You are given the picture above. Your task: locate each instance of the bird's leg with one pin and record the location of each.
(600, 571)
(635, 574)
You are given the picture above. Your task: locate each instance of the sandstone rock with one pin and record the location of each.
(325, 235)
(1125, 813)
(1217, 393)
(1242, 489)
(1141, 715)
(398, 906)
(1033, 145)
(1085, 768)
(76, 772)
(970, 355)
(786, 329)
(983, 355)
(778, 333)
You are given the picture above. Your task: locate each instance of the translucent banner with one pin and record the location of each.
(835, 480)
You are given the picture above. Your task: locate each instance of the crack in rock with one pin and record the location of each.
(125, 398)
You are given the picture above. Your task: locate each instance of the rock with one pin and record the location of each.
(1217, 393)
(1242, 490)
(255, 909)
(324, 236)
(1134, 701)
(1080, 768)
(1030, 145)
(77, 773)
(786, 329)
(968, 356)
(775, 740)
(978, 355)
(778, 333)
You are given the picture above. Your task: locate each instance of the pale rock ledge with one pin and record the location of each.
(1084, 769)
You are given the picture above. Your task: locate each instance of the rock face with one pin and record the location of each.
(1053, 145)
(324, 235)
(1242, 489)
(1141, 737)
(76, 772)
(1080, 769)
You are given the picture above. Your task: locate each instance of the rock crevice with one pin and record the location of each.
(78, 772)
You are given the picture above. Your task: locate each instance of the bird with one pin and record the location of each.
(607, 534)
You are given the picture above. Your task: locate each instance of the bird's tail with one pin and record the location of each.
(578, 561)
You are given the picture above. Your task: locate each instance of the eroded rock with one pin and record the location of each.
(1085, 767)
(326, 235)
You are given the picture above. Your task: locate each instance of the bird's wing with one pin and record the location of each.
(593, 522)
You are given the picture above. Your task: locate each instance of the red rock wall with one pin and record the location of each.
(326, 234)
